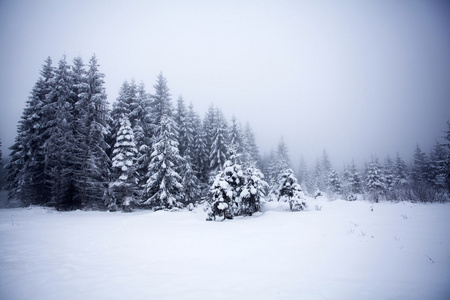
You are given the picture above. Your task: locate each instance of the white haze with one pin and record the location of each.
(351, 77)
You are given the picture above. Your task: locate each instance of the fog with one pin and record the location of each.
(353, 77)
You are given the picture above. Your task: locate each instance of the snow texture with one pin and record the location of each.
(345, 250)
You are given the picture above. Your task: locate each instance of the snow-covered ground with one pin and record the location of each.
(333, 250)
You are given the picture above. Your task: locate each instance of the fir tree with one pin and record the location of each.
(446, 145)
(124, 185)
(400, 172)
(388, 174)
(191, 184)
(164, 187)
(437, 169)
(251, 150)
(374, 180)
(219, 144)
(227, 188)
(283, 161)
(26, 179)
(185, 137)
(334, 182)
(354, 179)
(236, 139)
(92, 127)
(290, 191)
(60, 145)
(420, 168)
(252, 191)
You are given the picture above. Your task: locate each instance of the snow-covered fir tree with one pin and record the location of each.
(219, 145)
(164, 187)
(388, 175)
(401, 177)
(334, 182)
(253, 191)
(124, 183)
(354, 179)
(446, 144)
(282, 156)
(60, 143)
(302, 174)
(290, 191)
(201, 157)
(317, 177)
(185, 134)
(92, 124)
(191, 184)
(236, 138)
(421, 167)
(251, 150)
(226, 189)
(374, 179)
(437, 175)
(26, 180)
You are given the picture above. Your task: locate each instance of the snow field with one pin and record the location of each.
(333, 250)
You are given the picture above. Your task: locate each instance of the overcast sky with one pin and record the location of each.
(351, 77)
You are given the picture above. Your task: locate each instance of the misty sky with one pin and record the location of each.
(351, 77)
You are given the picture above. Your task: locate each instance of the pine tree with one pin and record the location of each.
(326, 169)
(388, 174)
(334, 182)
(93, 127)
(437, 168)
(290, 191)
(143, 133)
(219, 145)
(250, 148)
(124, 185)
(25, 170)
(282, 157)
(446, 145)
(191, 184)
(252, 191)
(354, 179)
(236, 139)
(227, 188)
(185, 137)
(318, 175)
(164, 188)
(420, 168)
(374, 180)
(400, 172)
(60, 145)
(302, 172)
(201, 157)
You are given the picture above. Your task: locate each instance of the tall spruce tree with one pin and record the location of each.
(400, 172)
(374, 179)
(26, 179)
(420, 168)
(124, 183)
(164, 187)
(93, 170)
(60, 143)
(219, 146)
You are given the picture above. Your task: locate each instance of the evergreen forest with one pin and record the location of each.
(75, 151)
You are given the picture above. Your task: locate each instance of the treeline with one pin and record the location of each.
(72, 152)
(425, 179)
